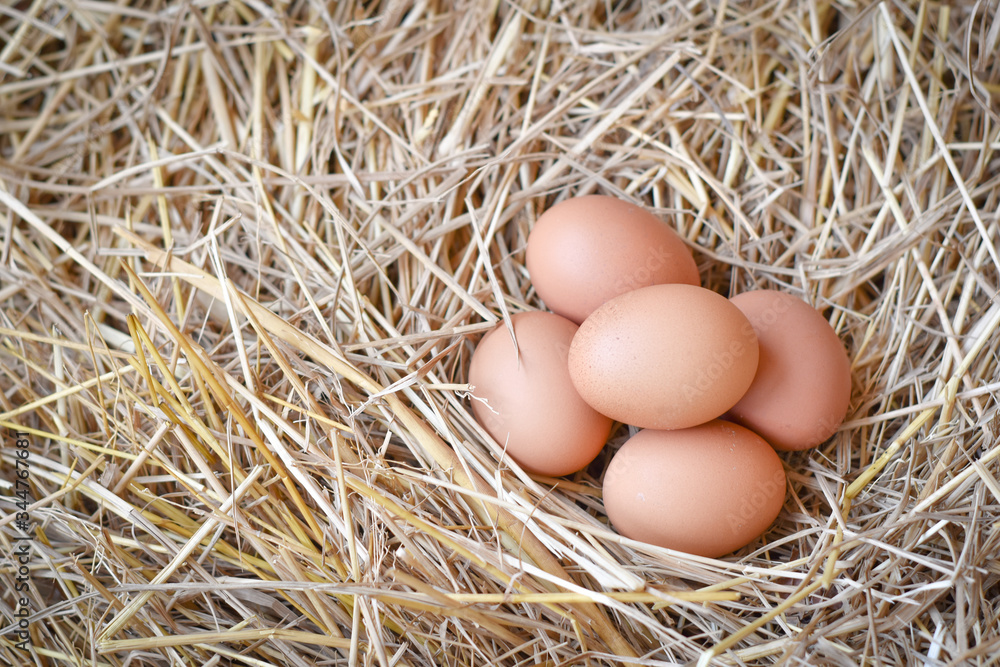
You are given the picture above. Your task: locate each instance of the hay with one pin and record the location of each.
(246, 254)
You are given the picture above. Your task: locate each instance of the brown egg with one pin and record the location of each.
(664, 356)
(586, 250)
(706, 490)
(802, 389)
(528, 404)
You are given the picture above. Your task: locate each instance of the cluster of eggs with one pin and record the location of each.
(714, 385)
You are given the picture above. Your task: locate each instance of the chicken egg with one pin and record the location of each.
(525, 400)
(664, 356)
(802, 388)
(707, 490)
(585, 250)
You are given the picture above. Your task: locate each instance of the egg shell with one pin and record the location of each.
(802, 389)
(707, 490)
(528, 404)
(664, 356)
(586, 250)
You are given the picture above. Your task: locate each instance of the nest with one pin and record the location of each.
(247, 252)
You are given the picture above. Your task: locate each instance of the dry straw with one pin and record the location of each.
(247, 251)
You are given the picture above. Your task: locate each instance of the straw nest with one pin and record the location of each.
(248, 250)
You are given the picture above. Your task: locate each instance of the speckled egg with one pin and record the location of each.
(707, 490)
(525, 400)
(586, 250)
